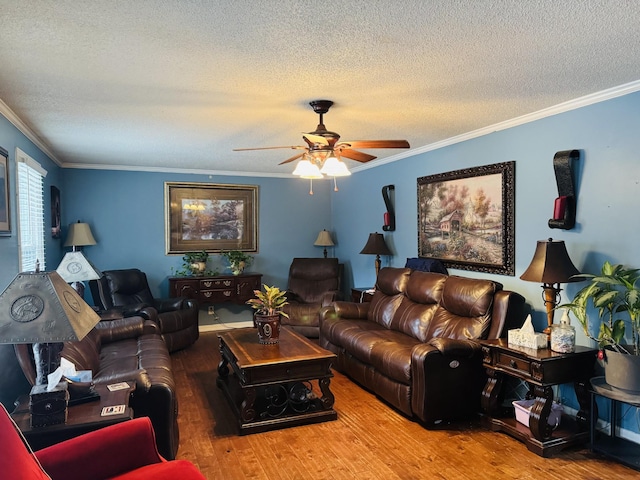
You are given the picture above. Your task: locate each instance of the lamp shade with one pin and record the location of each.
(551, 264)
(75, 267)
(376, 245)
(79, 235)
(40, 307)
(324, 239)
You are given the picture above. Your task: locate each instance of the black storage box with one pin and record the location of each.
(48, 408)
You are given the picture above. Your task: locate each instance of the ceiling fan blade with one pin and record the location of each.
(355, 155)
(293, 147)
(295, 157)
(376, 144)
(310, 137)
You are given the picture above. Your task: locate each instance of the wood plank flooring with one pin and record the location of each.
(370, 440)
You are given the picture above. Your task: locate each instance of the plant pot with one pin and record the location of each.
(268, 328)
(237, 268)
(622, 370)
(198, 268)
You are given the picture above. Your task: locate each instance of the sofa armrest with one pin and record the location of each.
(329, 297)
(508, 312)
(169, 304)
(455, 347)
(351, 309)
(128, 327)
(104, 453)
(446, 380)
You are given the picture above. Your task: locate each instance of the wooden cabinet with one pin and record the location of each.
(219, 289)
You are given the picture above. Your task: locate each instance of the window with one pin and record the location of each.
(30, 212)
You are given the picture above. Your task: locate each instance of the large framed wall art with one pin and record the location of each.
(210, 217)
(466, 218)
(5, 210)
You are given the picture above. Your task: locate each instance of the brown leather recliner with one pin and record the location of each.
(313, 283)
(128, 291)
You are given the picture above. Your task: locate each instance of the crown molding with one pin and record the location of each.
(574, 104)
(28, 132)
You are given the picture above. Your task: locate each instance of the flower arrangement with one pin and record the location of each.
(195, 263)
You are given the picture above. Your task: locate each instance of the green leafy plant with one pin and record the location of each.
(195, 263)
(269, 302)
(238, 260)
(615, 295)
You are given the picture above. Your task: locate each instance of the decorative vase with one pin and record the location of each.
(197, 268)
(622, 370)
(237, 267)
(268, 328)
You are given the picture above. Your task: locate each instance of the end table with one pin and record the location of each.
(540, 369)
(81, 418)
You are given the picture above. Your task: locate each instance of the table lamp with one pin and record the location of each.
(76, 269)
(376, 246)
(551, 265)
(79, 236)
(40, 308)
(324, 240)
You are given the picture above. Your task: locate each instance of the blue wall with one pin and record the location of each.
(10, 139)
(126, 209)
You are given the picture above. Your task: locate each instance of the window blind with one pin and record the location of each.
(30, 187)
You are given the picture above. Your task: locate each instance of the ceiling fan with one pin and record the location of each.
(323, 149)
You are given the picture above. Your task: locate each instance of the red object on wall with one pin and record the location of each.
(559, 208)
(387, 220)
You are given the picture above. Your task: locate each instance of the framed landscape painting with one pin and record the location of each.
(466, 218)
(210, 217)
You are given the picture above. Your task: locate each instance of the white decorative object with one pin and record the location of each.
(523, 407)
(527, 336)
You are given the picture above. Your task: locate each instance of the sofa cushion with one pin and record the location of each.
(465, 309)
(390, 288)
(416, 310)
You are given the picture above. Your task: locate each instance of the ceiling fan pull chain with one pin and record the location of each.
(311, 186)
(335, 184)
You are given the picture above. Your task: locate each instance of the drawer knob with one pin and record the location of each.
(513, 364)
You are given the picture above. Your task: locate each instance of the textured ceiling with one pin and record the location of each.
(179, 84)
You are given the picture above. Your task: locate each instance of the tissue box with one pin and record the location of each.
(48, 408)
(523, 407)
(529, 340)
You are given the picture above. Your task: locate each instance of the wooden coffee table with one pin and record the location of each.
(272, 386)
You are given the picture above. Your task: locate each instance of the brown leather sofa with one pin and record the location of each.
(128, 291)
(413, 344)
(313, 283)
(128, 349)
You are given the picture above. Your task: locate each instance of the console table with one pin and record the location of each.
(219, 289)
(540, 369)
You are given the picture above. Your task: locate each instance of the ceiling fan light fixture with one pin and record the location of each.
(335, 168)
(306, 169)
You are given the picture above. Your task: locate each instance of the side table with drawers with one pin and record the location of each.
(541, 370)
(219, 289)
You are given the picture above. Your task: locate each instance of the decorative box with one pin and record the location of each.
(48, 408)
(523, 407)
(529, 340)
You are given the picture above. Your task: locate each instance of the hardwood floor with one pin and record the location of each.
(370, 440)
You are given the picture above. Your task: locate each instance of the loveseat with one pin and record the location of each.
(128, 349)
(414, 344)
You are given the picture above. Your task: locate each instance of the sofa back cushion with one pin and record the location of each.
(465, 309)
(416, 311)
(84, 354)
(390, 287)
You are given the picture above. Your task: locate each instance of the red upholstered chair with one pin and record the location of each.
(122, 451)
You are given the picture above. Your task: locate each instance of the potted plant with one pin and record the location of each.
(268, 305)
(615, 295)
(194, 263)
(237, 260)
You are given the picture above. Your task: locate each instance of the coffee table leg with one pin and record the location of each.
(247, 412)
(327, 397)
